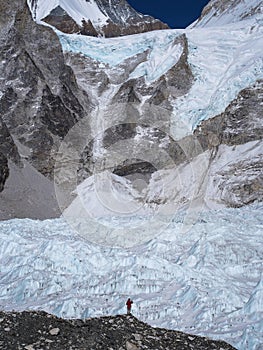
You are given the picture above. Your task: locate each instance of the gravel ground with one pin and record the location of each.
(39, 330)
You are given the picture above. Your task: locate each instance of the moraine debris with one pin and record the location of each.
(32, 330)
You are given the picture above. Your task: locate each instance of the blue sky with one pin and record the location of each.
(176, 13)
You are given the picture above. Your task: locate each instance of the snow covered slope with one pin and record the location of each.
(218, 12)
(205, 281)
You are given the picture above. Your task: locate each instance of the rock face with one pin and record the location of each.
(8, 150)
(240, 124)
(230, 145)
(35, 330)
(40, 100)
(100, 18)
(4, 171)
(59, 19)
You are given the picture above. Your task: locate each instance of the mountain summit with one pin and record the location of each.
(109, 18)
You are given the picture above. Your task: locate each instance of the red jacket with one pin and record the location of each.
(129, 303)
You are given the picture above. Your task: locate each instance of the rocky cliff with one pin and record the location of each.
(40, 99)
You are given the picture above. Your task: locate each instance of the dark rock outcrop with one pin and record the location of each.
(241, 122)
(134, 25)
(8, 150)
(4, 171)
(7, 145)
(133, 168)
(40, 100)
(39, 330)
(59, 19)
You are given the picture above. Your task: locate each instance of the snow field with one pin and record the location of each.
(234, 11)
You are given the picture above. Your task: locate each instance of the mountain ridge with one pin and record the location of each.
(94, 18)
(220, 12)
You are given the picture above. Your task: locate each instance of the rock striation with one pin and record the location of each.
(39, 330)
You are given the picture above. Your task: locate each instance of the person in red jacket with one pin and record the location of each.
(129, 305)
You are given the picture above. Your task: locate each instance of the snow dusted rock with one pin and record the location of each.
(240, 123)
(131, 99)
(220, 12)
(241, 180)
(109, 18)
(223, 156)
(174, 82)
(119, 332)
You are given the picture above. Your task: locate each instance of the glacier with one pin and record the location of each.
(224, 60)
(113, 51)
(207, 280)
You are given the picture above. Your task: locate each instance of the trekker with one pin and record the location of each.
(129, 305)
